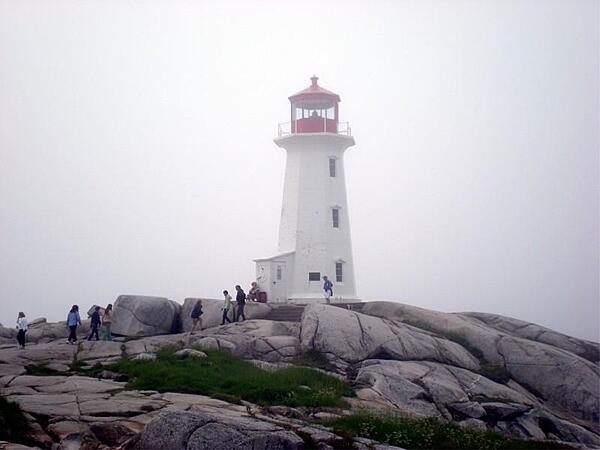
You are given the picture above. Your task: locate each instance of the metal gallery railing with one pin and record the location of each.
(285, 129)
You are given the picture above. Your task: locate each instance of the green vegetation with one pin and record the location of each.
(312, 358)
(227, 377)
(430, 433)
(40, 370)
(13, 423)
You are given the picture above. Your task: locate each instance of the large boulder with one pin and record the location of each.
(346, 337)
(564, 380)
(138, 315)
(213, 312)
(176, 430)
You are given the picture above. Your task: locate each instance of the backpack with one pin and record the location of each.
(196, 312)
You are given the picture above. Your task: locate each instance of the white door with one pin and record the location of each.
(279, 282)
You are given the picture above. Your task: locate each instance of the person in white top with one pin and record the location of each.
(22, 327)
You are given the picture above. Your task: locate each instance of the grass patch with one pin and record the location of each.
(222, 375)
(312, 358)
(40, 370)
(430, 433)
(13, 423)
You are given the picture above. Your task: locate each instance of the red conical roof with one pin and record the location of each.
(314, 91)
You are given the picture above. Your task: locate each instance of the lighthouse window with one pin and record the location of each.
(339, 274)
(278, 272)
(332, 167)
(335, 216)
(314, 276)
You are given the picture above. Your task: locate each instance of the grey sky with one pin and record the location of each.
(136, 151)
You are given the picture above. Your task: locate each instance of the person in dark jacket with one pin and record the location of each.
(95, 324)
(196, 315)
(240, 300)
(327, 289)
(73, 320)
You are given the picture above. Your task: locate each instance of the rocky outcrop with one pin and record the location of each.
(90, 413)
(348, 337)
(562, 379)
(519, 328)
(479, 371)
(431, 389)
(137, 315)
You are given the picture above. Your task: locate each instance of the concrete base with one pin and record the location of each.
(319, 300)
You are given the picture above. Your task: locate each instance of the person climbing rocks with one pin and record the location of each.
(240, 300)
(226, 307)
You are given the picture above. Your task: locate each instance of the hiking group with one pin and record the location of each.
(73, 321)
(104, 320)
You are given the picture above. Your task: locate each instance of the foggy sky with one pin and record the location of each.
(136, 152)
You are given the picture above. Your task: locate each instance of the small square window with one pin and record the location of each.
(332, 167)
(314, 276)
(335, 216)
(339, 272)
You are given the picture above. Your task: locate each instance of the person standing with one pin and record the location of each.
(73, 320)
(106, 323)
(240, 300)
(226, 307)
(196, 315)
(327, 289)
(22, 327)
(95, 324)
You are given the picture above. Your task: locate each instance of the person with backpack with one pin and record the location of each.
(226, 307)
(240, 300)
(73, 320)
(95, 324)
(328, 289)
(196, 315)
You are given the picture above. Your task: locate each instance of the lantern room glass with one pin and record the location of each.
(314, 116)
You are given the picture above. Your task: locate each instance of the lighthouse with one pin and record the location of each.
(314, 232)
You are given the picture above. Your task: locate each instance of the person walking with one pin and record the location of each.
(196, 315)
(22, 327)
(240, 300)
(73, 320)
(95, 324)
(327, 289)
(226, 307)
(106, 323)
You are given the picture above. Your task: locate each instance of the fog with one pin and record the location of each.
(137, 154)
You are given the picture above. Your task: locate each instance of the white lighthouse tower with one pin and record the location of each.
(314, 233)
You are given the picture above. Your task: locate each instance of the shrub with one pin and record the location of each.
(40, 370)
(222, 375)
(429, 433)
(13, 423)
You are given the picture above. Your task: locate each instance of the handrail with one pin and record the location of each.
(285, 129)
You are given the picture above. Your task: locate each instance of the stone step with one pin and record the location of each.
(286, 313)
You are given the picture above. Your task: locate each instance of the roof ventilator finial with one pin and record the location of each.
(314, 79)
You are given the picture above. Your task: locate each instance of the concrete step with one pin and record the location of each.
(286, 313)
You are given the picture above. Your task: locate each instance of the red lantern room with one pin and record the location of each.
(314, 110)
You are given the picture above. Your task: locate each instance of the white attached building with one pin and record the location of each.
(314, 233)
